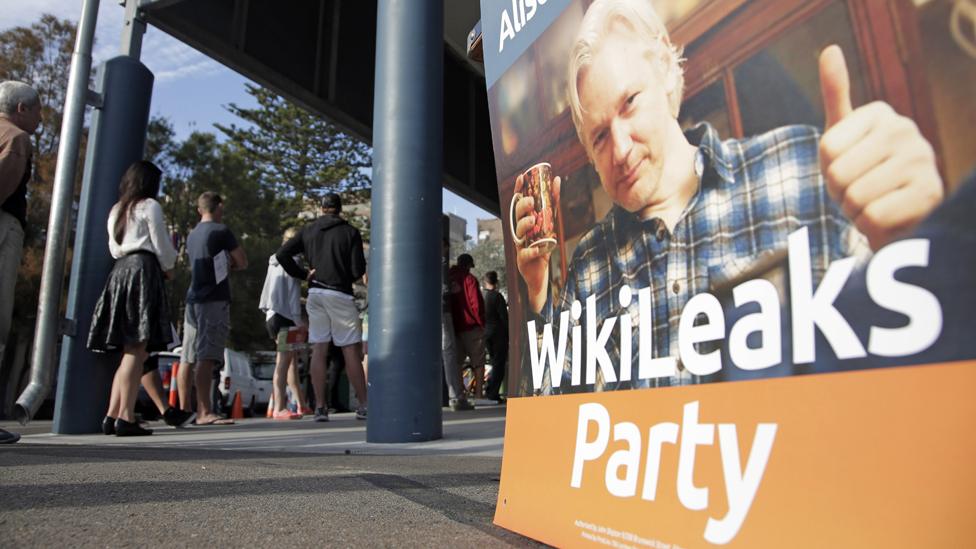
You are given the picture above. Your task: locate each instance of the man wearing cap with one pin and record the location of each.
(20, 114)
(334, 250)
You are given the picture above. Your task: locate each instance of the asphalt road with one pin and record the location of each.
(91, 492)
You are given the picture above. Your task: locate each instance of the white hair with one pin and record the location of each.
(639, 16)
(13, 93)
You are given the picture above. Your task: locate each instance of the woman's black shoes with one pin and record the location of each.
(124, 428)
(178, 418)
(108, 425)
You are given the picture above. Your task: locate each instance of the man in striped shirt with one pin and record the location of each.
(692, 212)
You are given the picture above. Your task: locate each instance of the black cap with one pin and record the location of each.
(332, 201)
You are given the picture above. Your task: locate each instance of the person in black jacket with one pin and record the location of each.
(496, 333)
(334, 250)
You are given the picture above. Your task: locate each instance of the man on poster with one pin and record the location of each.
(689, 208)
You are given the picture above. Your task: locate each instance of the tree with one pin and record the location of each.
(298, 154)
(271, 172)
(252, 211)
(160, 142)
(489, 255)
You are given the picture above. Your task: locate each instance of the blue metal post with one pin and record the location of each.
(404, 272)
(116, 140)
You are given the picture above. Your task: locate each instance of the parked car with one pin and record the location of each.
(252, 381)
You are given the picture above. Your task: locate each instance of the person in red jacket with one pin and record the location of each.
(468, 312)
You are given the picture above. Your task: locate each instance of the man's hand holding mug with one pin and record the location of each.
(533, 221)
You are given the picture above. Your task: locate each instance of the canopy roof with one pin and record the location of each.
(320, 54)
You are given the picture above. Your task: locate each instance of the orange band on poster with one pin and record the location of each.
(877, 458)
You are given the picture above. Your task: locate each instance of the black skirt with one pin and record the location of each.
(133, 307)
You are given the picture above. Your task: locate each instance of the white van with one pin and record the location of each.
(254, 383)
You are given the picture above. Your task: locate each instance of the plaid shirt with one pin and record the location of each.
(752, 194)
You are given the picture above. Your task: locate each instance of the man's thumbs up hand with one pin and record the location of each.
(835, 85)
(877, 165)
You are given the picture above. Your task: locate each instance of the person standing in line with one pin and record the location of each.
(214, 252)
(281, 301)
(361, 297)
(496, 334)
(132, 314)
(334, 250)
(468, 313)
(452, 374)
(20, 115)
(152, 382)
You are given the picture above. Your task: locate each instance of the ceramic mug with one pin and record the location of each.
(537, 183)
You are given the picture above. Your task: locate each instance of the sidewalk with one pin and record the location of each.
(299, 483)
(476, 433)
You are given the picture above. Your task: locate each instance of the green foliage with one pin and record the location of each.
(160, 142)
(489, 255)
(296, 153)
(251, 210)
(356, 210)
(271, 173)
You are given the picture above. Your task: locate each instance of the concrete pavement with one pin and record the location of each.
(295, 483)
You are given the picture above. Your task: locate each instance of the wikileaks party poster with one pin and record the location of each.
(741, 246)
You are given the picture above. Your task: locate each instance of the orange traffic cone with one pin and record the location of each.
(237, 410)
(174, 401)
(270, 411)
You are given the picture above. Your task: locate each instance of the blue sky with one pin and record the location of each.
(190, 88)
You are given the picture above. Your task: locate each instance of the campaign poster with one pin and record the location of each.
(741, 246)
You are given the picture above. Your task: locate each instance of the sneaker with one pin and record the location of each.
(461, 405)
(108, 425)
(321, 415)
(178, 418)
(306, 411)
(6, 437)
(361, 412)
(285, 415)
(125, 429)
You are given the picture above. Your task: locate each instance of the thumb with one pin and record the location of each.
(835, 85)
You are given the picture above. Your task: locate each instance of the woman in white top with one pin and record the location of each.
(281, 301)
(132, 313)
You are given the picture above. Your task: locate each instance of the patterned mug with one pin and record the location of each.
(537, 183)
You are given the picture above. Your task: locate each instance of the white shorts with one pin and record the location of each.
(332, 316)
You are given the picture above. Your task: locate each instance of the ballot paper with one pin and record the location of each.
(220, 267)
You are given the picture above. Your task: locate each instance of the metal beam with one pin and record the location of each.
(158, 4)
(405, 343)
(52, 274)
(133, 29)
(229, 55)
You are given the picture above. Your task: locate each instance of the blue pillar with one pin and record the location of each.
(404, 272)
(116, 139)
